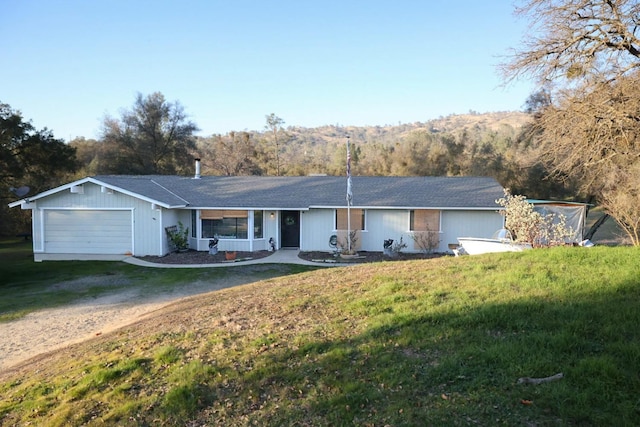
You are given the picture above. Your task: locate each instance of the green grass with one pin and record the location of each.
(434, 342)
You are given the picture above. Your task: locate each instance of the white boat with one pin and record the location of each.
(502, 241)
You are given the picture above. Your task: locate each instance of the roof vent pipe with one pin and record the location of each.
(197, 169)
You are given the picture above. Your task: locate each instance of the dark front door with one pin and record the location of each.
(290, 229)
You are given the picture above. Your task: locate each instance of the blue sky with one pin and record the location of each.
(68, 64)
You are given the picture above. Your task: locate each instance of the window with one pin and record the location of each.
(258, 224)
(424, 220)
(358, 219)
(194, 220)
(225, 224)
(225, 228)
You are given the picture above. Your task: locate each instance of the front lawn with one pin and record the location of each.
(430, 342)
(26, 285)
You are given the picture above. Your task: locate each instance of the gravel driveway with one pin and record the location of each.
(47, 330)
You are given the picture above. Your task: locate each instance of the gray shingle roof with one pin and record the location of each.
(312, 191)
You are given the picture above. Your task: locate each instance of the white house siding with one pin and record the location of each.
(468, 224)
(386, 224)
(319, 224)
(317, 227)
(37, 228)
(383, 224)
(146, 222)
(233, 245)
(169, 218)
(271, 229)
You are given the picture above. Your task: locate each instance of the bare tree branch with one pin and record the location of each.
(577, 40)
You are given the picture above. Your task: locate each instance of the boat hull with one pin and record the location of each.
(477, 246)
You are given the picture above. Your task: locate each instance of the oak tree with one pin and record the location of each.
(586, 56)
(154, 137)
(28, 158)
(31, 156)
(233, 154)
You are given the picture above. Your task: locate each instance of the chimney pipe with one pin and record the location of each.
(197, 169)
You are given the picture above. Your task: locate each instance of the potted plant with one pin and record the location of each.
(179, 237)
(230, 256)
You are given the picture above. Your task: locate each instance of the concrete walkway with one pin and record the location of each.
(282, 256)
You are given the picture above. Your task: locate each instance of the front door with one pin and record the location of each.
(290, 229)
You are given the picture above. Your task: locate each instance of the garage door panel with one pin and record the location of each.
(88, 231)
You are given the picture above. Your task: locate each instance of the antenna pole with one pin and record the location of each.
(349, 196)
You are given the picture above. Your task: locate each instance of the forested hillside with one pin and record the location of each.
(489, 144)
(421, 148)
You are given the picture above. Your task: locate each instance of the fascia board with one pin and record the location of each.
(557, 202)
(247, 208)
(50, 192)
(442, 208)
(17, 203)
(96, 182)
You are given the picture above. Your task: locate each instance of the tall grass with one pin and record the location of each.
(437, 342)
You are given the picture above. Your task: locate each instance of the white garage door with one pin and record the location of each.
(88, 231)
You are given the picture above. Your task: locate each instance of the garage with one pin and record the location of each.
(88, 231)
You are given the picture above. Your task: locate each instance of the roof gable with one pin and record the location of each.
(145, 190)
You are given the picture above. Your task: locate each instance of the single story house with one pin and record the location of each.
(112, 216)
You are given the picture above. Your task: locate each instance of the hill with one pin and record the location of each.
(389, 134)
(433, 342)
(456, 145)
(468, 144)
(493, 121)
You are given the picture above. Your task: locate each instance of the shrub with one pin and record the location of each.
(426, 241)
(393, 248)
(179, 236)
(528, 226)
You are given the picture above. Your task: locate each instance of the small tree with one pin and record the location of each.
(426, 241)
(274, 125)
(345, 244)
(398, 246)
(528, 226)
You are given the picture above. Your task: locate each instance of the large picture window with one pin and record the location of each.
(224, 224)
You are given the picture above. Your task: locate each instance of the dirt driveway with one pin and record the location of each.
(46, 330)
